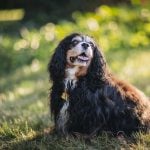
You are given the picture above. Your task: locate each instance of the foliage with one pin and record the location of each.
(113, 27)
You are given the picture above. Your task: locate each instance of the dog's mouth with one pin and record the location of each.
(80, 58)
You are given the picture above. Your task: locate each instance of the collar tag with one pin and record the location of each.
(64, 96)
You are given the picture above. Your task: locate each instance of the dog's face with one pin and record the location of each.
(80, 51)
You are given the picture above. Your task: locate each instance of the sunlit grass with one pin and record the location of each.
(132, 65)
(24, 105)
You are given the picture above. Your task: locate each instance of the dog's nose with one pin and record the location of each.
(85, 45)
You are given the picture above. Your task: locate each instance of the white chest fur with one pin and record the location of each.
(70, 82)
(63, 118)
(70, 73)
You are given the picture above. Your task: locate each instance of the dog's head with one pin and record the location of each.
(80, 52)
(76, 50)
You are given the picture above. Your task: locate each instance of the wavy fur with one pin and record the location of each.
(99, 102)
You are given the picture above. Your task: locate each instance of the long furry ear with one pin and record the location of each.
(56, 66)
(97, 68)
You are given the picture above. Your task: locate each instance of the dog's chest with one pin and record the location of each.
(70, 83)
(71, 73)
(71, 79)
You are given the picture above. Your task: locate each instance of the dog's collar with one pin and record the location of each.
(65, 95)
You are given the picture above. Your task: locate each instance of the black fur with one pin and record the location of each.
(99, 102)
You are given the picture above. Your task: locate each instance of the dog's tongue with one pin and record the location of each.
(83, 58)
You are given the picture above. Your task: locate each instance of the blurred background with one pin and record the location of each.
(31, 29)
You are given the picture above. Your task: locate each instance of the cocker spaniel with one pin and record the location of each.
(86, 98)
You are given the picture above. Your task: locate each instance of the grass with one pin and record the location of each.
(24, 107)
(25, 120)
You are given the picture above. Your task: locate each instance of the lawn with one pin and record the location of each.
(25, 120)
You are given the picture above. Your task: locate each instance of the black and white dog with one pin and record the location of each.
(86, 98)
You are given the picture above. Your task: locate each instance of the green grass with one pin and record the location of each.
(24, 106)
(25, 120)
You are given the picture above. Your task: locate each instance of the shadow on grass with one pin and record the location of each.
(50, 140)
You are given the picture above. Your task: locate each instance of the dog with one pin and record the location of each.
(86, 98)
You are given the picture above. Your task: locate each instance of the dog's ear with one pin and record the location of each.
(56, 66)
(97, 68)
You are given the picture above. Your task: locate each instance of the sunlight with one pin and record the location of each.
(21, 44)
(145, 13)
(139, 39)
(134, 64)
(35, 43)
(93, 24)
(11, 15)
(24, 91)
(35, 66)
(2, 97)
(49, 31)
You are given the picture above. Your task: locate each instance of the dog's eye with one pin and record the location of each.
(91, 44)
(74, 42)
